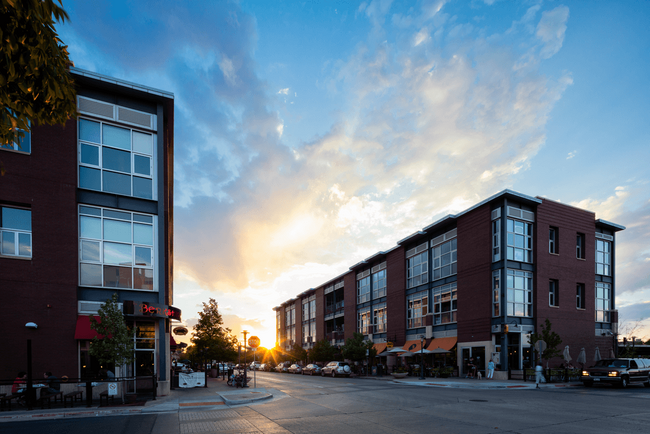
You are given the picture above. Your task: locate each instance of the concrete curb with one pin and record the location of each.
(247, 397)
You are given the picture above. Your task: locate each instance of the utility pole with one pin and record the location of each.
(245, 332)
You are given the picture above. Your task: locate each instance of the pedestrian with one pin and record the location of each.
(19, 383)
(490, 369)
(53, 385)
(538, 374)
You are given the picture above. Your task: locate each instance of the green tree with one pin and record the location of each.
(355, 348)
(298, 353)
(322, 351)
(212, 340)
(35, 83)
(551, 338)
(116, 343)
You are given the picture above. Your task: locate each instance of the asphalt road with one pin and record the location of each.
(304, 404)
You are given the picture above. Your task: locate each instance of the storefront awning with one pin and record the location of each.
(380, 347)
(83, 330)
(412, 346)
(444, 343)
(172, 343)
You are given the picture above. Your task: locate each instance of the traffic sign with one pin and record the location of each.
(389, 345)
(253, 342)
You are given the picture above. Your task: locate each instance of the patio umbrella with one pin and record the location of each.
(611, 353)
(439, 351)
(597, 357)
(567, 356)
(582, 357)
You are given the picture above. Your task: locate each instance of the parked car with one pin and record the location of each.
(336, 368)
(283, 367)
(311, 369)
(295, 369)
(618, 372)
(255, 366)
(265, 367)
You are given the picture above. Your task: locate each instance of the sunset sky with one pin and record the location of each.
(310, 135)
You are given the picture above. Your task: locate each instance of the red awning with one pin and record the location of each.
(172, 341)
(83, 330)
(444, 343)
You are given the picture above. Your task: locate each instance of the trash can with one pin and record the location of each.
(380, 370)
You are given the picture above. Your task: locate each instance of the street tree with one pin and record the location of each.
(115, 342)
(355, 348)
(322, 351)
(212, 340)
(298, 353)
(551, 338)
(35, 83)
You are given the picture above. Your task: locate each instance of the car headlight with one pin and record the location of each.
(613, 373)
(585, 373)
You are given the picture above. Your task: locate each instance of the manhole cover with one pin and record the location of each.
(478, 400)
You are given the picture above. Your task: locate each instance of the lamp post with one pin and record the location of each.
(30, 386)
(421, 357)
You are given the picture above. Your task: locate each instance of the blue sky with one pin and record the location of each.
(310, 135)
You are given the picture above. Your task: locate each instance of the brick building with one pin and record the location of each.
(477, 283)
(86, 212)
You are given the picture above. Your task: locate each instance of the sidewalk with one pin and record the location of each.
(218, 393)
(469, 383)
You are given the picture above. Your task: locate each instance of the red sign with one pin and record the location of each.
(145, 309)
(253, 342)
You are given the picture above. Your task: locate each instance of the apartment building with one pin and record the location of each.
(86, 212)
(477, 283)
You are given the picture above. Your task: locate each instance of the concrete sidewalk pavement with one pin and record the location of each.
(469, 383)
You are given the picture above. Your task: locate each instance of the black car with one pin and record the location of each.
(618, 372)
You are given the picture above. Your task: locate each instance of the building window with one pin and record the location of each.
(553, 240)
(520, 293)
(520, 241)
(116, 249)
(363, 321)
(496, 240)
(24, 143)
(363, 290)
(553, 294)
(417, 306)
(379, 284)
(444, 260)
(444, 304)
(496, 293)
(15, 232)
(418, 270)
(116, 159)
(379, 318)
(603, 257)
(580, 296)
(580, 246)
(603, 297)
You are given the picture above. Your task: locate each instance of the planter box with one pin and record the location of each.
(399, 374)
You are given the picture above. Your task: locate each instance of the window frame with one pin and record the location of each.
(100, 146)
(604, 266)
(496, 293)
(511, 242)
(580, 296)
(553, 240)
(422, 309)
(364, 320)
(437, 294)
(16, 232)
(438, 255)
(363, 290)
(415, 280)
(496, 240)
(376, 280)
(379, 318)
(553, 293)
(513, 290)
(603, 310)
(17, 146)
(580, 246)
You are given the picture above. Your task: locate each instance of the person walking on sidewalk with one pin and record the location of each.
(490, 372)
(538, 375)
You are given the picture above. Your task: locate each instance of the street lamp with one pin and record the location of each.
(30, 387)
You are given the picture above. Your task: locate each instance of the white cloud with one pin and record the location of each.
(571, 155)
(228, 70)
(551, 30)
(284, 91)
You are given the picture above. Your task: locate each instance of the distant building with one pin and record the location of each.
(86, 211)
(477, 284)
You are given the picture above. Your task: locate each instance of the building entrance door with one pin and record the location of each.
(478, 354)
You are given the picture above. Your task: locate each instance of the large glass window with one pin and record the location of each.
(363, 321)
(116, 159)
(379, 284)
(444, 304)
(444, 259)
(417, 307)
(363, 290)
(603, 300)
(15, 232)
(496, 240)
(603, 257)
(23, 144)
(116, 249)
(418, 270)
(520, 241)
(379, 318)
(520, 293)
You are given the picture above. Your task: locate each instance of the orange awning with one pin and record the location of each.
(380, 347)
(444, 343)
(412, 346)
(83, 330)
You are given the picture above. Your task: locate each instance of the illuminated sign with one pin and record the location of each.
(151, 310)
